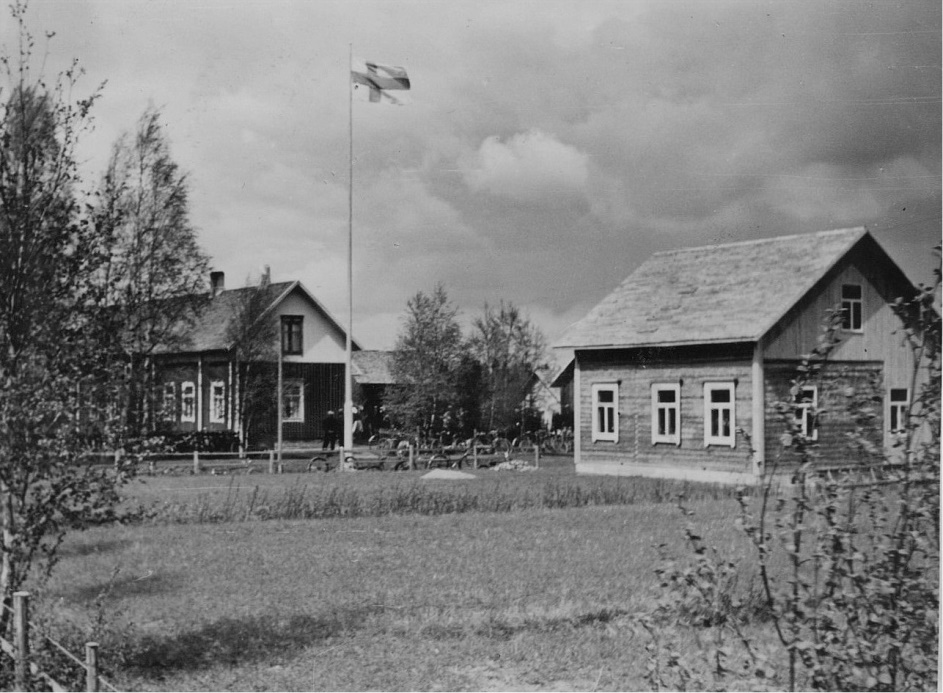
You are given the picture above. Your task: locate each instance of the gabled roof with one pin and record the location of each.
(713, 294)
(372, 367)
(209, 330)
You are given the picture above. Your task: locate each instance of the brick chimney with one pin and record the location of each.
(217, 283)
(266, 277)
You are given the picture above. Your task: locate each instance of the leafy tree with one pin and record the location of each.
(511, 351)
(55, 355)
(426, 362)
(153, 280)
(253, 333)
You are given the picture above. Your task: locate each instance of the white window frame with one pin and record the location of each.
(169, 402)
(805, 410)
(901, 407)
(299, 415)
(218, 402)
(710, 407)
(659, 408)
(852, 309)
(188, 397)
(609, 412)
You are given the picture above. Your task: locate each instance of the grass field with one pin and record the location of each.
(527, 598)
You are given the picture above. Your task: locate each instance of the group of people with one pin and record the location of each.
(331, 428)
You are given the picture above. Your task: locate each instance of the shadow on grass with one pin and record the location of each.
(129, 586)
(92, 548)
(241, 641)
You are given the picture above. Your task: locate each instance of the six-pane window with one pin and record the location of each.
(293, 401)
(606, 412)
(719, 414)
(851, 304)
(292, 334)
(169, 402)
(187, 402)
(897, 414)
(807, 401)
(666, 413)
(217, 402)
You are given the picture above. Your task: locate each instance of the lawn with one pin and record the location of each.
(525, 600)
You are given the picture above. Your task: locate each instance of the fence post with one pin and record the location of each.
(475, 449)
(21, 640)
(196, 462)
(412, 462)
(271, 461)
(537, 454)
(91, 666)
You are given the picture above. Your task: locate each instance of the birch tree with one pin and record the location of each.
(54, 356)
(155, 276)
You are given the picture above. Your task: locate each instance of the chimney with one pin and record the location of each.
(217, 283)
(266, 277)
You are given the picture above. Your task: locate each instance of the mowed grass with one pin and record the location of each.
(537, 595)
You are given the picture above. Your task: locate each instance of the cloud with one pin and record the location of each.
(528, 167)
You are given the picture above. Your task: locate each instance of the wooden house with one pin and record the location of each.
(678, 372)
(198, 381)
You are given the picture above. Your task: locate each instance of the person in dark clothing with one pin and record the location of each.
(330, 431)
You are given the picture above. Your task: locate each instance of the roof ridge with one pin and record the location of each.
(759, 241)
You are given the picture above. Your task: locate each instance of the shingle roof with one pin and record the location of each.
(208, 332)
(372, 367)
(720, 293)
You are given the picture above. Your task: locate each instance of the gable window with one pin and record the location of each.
(217, 402)
(719, 414)
(807, 402)
(291, 335)
(168, 407)
(898, 404)
(293, 401)
(666, 413)
(851, 306)
(187, 402)
(605, 412)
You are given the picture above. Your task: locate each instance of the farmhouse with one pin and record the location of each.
(678, 372)
(199, 382)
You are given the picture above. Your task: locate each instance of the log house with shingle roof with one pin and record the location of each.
(677, 372)
(197, 379)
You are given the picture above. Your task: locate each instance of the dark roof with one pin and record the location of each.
(720, 293)
(372, 367)
(208, 332)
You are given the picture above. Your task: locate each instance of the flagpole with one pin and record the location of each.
(349, 380)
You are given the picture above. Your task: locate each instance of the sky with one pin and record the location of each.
(546, 149)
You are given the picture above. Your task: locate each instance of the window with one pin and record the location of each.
(807, 403)
(293, 401)
(898, 405)
(606, 412)
(168, 407)
(187, 402)
(218, 402)
(719, 418)
(666, 414)
(291, 334)
(851, 304)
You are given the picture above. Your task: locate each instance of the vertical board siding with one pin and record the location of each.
(850, 399)
(635, 413)
(797, 333)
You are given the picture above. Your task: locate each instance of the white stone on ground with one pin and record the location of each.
(447, 474)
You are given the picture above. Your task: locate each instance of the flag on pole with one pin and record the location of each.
(380, 80)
